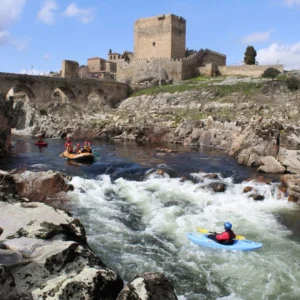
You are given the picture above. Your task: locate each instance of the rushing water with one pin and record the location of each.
(138, 223)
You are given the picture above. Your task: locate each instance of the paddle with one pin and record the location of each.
(238, 237)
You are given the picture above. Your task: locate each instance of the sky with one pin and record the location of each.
(36, 35)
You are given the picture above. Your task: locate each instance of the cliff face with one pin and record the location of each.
(7, 121)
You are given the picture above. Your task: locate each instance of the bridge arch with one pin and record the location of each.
(97, 98)
(21, 92)
(63, 95)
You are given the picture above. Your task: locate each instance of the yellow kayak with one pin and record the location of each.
(83, 157)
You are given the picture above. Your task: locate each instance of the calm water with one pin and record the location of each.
(137, 223)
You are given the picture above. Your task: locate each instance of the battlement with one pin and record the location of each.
(214, 52)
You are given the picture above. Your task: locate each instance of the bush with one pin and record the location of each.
(293, 83)
(270, 73)
(43, 112)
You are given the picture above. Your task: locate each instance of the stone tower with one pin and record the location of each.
(160, 36)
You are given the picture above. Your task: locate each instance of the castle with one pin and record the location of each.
(160, 56)
(160, 53)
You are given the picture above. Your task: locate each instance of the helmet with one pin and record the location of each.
(89, 144)
(78, 145)
(227, 225)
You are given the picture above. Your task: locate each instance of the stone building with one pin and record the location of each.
(160, 53)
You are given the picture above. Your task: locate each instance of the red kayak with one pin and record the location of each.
(41, 144)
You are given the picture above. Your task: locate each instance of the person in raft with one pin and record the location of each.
(226, 238)
(77, 150)
(40, 140)
(68, 145)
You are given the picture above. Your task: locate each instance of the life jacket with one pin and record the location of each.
(229, 241)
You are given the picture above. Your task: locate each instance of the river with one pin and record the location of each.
(138, 223)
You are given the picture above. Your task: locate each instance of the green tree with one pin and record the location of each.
(250, 54)
(270, 73)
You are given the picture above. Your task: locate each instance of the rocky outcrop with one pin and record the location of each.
(148, 286)
(46, 257)
(292, 183)
(7, 121)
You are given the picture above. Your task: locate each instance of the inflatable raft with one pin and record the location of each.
(81, 157)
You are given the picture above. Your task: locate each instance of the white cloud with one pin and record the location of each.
(288, 55)
(84, 15)
(10, 11)
(291, 3)
(256, 37)
(47, 12)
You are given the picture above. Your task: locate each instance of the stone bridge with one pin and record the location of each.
(39, 89)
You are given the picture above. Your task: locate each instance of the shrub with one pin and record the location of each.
(270, 73)
(293, 83)
(43, 112)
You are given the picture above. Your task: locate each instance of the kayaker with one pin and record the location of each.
(40, 140)
(225, 237)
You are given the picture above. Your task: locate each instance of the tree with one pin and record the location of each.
(270, 73)
(250, 54)
(125, 56)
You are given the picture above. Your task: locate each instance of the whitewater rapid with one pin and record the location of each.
(140, 226)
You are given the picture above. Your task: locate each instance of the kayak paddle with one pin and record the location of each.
(238, 237)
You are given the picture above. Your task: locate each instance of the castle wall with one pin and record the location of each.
(190, 64)
(214, 57)
(143, 70)
(69, 69)
(247, 70)
(162, 36)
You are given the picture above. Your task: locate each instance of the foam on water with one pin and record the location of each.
(138, 227)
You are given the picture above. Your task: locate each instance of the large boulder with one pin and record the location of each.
(148, 286)
(40, 186)
(45, 256)
(270, 165)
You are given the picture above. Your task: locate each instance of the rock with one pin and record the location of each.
(257, 197)
(290, 159)
(46, 257)
(270, 165)
(1, 230)
(247, 189)
(40, 186)
(211, 176)
(148, 286)
(217, 187)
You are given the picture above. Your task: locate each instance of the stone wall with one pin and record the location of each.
(247, 70)
(214, 57)
(69, 69)
(143, 70)
(160, 36)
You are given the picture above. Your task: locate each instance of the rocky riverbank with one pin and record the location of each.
(244, 117)
(44, 252)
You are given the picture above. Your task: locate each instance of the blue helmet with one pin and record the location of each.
(227, 225)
